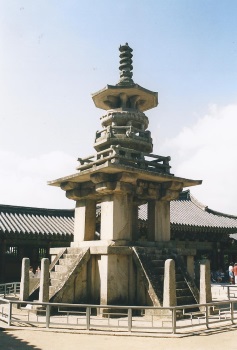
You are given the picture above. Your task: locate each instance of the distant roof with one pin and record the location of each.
(28, 221)
(188, 213)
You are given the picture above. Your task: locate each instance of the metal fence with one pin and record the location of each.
(12, 288)
(179, 319)
(224, 291)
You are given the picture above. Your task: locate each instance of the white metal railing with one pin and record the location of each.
(176, 319)
(12, 288)
(224, 291)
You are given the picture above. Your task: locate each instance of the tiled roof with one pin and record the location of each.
(15, 220)
(188, 212)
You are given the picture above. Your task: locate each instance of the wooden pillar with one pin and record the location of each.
(2, 260)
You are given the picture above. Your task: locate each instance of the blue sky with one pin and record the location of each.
(56, 53)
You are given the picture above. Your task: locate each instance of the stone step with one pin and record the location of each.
(158, 257)
(70, 255)
(61, 268)
(55, 275)
(66, 261)
(185, 300)
(181, 284)
(183, 292)
(179, 278)
(74, 250)
(54, 281)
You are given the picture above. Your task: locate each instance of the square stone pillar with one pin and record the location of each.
(44, 281)
(205, 282)
(85, 220)
(169, 292)
(116, 217)
(159, 221)
(114, 279)
(25, 279)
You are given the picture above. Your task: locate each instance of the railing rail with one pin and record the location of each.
(121, 155)
(224, 291)
(146, 319)
(12, 288)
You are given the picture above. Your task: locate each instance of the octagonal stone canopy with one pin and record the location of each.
(107, 167)
(109, 97)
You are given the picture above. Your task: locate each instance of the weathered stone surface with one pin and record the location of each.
(44, 281)
(85, 220)
(169, 296)
(116, 217)
(25, 279)
(115, 281)
(205, 282)
(159, 220)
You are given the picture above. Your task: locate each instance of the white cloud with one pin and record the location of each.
(24, 180)
(207, 151)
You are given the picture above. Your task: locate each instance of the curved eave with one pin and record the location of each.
(149, 99)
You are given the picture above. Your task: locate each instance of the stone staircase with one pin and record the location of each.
(151, 263)
(63, 271)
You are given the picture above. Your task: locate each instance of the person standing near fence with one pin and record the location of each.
(231, 274)
(235, 272)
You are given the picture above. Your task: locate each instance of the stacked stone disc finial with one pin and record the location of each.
(125, 65)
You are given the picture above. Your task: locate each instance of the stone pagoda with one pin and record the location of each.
(109, 262)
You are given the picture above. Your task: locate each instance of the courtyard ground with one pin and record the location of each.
(48, 340)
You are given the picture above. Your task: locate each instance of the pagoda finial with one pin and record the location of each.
(125, 65)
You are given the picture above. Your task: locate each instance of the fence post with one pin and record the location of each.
(129, 320)
(88, 314)
(228, 292)
(232, 312)
(48, 315)
(15, 288)
(9, 314)
(206, 308)
(174, 320)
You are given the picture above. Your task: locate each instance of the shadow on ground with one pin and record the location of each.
(11, 342)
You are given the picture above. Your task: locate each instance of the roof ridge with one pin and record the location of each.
(197, 203)
(218, 213)
(25, 209)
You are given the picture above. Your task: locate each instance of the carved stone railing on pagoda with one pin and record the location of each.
(128, 157)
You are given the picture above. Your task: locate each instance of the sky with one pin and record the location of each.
(55, 54)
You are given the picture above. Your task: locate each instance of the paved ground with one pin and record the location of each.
(45, 340)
